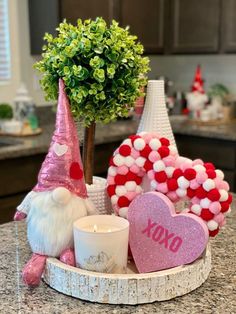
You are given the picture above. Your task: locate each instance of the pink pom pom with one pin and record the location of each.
(134, 153)
(194, 184)
(134, 168)
(162, 187)
(122, 170)
(217, 182)
(169, 161)
(154, 156)
(201, 177)
(198, 162)
(151, 174)
(186, 165)
(215, 207)
(110, 180)
(131, 195)
(172, 196)
(219, 218)
(195, 200)
(224, 186)
(147, 137)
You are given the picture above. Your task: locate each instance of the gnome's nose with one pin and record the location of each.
(61, 195)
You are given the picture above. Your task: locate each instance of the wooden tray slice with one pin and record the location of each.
(130, 288)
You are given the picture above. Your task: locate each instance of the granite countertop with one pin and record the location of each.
(116, 131)
(216, 295)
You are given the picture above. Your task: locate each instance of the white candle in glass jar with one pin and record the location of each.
(101, 243)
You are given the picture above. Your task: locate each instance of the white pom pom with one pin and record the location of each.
(208, 185)
(138, 189)
(220, 174)
(112, 171)
(196, 209)
(127, 142)
(61, 195)
(169, 171)
(154, 144)
(142, 133)
(120, 190)
(153, 184)
(205, 202)
(223, 195)
(199, 168)
(123, 212)
(173, 150)
(159, 165)
(114, 199)
(129, 161)
(181, 193)
(139, 144)
(140, 161)
(118, 160)
(130, 186)
(183, 183)
(212, 225)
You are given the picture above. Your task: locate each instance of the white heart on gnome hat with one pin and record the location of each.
(60, 149)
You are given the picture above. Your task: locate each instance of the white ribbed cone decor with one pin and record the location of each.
(155, 117)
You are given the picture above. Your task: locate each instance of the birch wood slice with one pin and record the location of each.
(130, 288)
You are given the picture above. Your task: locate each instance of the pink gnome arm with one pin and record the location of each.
(24, 207)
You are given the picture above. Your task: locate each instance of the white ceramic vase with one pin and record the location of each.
(155, 116)
(98, 194)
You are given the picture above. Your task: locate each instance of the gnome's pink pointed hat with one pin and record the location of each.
(62, 165)
(198, 81)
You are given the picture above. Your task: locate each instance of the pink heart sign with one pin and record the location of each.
(160, 238)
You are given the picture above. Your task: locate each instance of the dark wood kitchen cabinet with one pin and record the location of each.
(194, 26)
(146, 20)
(228, 31)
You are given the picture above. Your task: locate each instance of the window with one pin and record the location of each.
(4, 42)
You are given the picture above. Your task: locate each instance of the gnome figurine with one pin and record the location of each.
(197, 98)
(59, 198)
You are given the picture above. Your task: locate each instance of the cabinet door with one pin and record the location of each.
(146, 20)
(194, 26)
(228, 35)
(43, 17)
(84, 9)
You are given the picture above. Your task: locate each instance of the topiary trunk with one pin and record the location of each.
(88, 152)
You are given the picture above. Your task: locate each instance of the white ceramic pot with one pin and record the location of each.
(11, 126)
(98, 194)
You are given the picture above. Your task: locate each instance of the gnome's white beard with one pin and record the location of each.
(50, 225)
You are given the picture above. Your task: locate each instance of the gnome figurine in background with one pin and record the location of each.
(58, 199)
(197, 98)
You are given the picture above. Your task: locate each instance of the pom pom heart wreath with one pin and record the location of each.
(151, 156)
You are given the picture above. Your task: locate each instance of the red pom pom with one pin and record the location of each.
(76, 172)
(138, 180)
(209, 165)
(206, 214)
(190, 174)
(164, 141)
(177, 173)
(213, 233)
(163, 151)
(148, 165)
(123, 201)
(224, 206)
(125, 150)
(120, 179)
(160, 176)
(230, 198)
(172, 184)
(111, 190)
(134, 137)
(191, 193)
(213, 195)
(111, 161)
(211, 173)
(130, 176)
(146, 151)
(201, 193)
